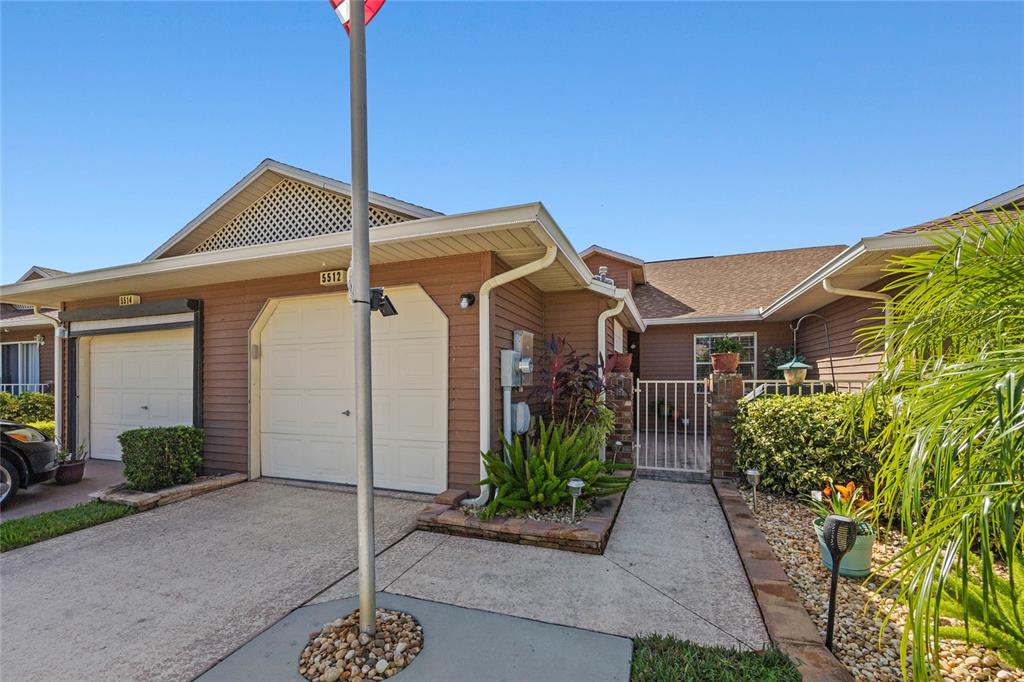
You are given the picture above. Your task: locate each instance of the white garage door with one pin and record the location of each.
(139, 379)
(307, 393)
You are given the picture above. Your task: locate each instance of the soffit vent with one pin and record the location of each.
(291, 210)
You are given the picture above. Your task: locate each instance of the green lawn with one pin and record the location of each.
(31, 529)
(665, 659)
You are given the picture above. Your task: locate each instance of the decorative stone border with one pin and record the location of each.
(142, 501)
(788, 623)
(589, 536)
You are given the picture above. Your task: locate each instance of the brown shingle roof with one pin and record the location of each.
(725, 285)
(947, 222)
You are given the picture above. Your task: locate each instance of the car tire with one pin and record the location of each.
(10, 481)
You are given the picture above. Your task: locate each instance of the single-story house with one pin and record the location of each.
(239, 323)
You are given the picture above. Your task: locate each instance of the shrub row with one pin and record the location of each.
(797, 442)
(160, 457)
(26, 407)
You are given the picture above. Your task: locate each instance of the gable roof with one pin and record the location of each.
(256, 184)
(39, 272)
(724, 287)
(594, 249)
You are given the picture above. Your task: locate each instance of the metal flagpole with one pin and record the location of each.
(359, 293)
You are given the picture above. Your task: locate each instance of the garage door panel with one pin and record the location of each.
(137, 380)
(307, 380)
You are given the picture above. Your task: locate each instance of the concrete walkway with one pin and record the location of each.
(48, 496)
(459, 644)
(164, 594)
(670, 567)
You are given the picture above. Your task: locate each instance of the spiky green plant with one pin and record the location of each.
(538, 476)
(952, 381)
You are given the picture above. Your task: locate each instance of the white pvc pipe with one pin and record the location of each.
(58, 373)
(484, 303)
(602, 333)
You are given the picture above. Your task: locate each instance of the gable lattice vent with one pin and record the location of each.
(291, 210)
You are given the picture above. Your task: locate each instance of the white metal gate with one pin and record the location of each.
(672, 430)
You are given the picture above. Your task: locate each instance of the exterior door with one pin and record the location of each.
(136, 380)
(307, 392)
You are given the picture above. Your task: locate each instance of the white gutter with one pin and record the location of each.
(58, 373)
(826, 284)
(602, 336)
(703, 319)
(484, 303)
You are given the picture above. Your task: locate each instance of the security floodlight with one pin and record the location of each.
(839, 534)
(467, 300)
(379, 301)
(753, 478)
(575, 489)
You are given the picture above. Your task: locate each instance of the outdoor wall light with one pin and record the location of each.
(467, 300)
(40, 340)
(575, 489)
(839, 534)
(753, 478)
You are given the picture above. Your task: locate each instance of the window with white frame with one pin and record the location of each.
(19, 363)
(618, 335)
(703, 344)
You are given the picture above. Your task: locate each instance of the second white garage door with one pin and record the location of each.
(307, 393)
(139, 379)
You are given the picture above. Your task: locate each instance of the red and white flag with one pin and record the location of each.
(341, 8)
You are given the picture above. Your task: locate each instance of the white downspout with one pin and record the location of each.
(826, 284)
(484, 302)
(58, 373)
(602, 336)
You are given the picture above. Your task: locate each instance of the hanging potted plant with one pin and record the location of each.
(845, 500)
(70, 465)
(725, 354)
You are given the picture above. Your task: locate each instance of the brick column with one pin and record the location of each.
(619, 397)
(726, 390)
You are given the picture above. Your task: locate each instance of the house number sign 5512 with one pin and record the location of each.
(330, 278)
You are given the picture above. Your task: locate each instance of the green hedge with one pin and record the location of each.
(27, 407)
(160, 457)
(47, 428)
(797, 442)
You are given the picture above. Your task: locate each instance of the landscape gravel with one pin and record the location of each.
(339, 652)
(870, 656)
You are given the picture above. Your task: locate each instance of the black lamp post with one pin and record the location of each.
(840, 533)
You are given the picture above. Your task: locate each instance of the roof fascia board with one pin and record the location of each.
(548, 224)
(34, 270)
(269, 165)
(24, 323)
(703, 319)
(594, 248)
(1010, 196)
(479, 221)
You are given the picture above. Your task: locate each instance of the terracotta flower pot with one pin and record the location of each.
(69, 473)
(725, 363)
(618, 362)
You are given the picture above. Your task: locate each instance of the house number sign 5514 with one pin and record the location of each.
(330, 278)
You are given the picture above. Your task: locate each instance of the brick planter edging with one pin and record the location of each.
(589, 536)
(142, 501)
(787, 621)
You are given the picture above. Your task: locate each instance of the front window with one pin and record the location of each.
(703, 344)
(19, 366)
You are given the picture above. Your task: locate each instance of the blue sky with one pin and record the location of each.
(673, 130)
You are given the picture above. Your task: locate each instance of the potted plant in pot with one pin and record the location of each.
(845, 500)
(70, 465)
(725, 354)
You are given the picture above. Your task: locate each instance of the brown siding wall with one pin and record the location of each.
(617, 270)
(573, 314)
(229, 310)
(45, 352)
(845, 317)
(666, 351)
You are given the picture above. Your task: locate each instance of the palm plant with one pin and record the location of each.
(952, 472)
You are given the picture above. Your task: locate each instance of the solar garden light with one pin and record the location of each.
(575, 488)
(840, 533)
(753, 478)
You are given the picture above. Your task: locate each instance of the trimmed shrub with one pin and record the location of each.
(798, 442)
(46, 428)
(160, 457)
(27, 407)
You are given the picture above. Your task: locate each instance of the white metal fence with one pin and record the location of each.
(18, 389)
(758, 387)
(672, 429)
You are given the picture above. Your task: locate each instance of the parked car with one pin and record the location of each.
(26, 457)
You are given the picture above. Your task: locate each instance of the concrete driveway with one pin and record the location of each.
(48, 496)
(165, 594)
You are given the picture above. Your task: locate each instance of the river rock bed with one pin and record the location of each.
(340, 652)
(558, 514)
(786, 524)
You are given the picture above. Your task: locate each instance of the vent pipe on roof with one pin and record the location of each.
(602, 275)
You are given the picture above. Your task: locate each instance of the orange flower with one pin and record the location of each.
(827, 492)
